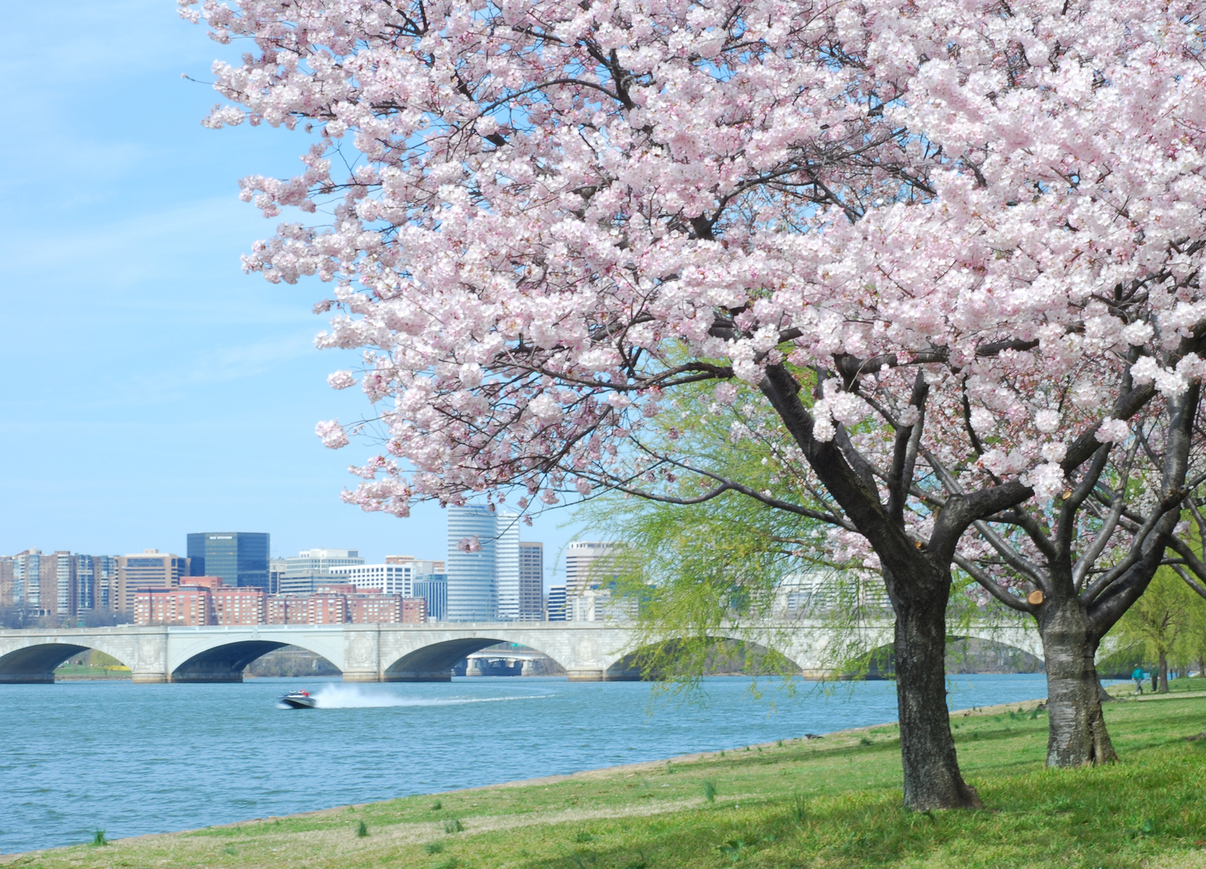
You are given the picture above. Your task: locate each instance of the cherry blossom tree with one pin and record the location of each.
(952, 246)
(1077, 563)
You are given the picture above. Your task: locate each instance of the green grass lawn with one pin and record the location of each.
(81, 671)
(832, 802)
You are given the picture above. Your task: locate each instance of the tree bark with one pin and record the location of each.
(931, 771)
(1163, 672)
(1077, 734)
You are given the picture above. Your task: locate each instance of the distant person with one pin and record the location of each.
(1138, 676)
(1155, 681)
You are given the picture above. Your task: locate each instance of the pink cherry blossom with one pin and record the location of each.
(944, 256)
(332, 434)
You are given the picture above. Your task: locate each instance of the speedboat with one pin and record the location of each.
(299, 700)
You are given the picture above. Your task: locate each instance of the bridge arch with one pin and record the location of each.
(226, 663)
(720, 652)
(35, 662)
(222, 656)
(434, 662)
(963, 649)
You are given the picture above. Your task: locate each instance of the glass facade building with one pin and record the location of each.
(472, 587)
(531, 582)
(433, 588)
(506, 566)
(240, 558)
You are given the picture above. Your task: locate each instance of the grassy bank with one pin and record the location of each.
(831, 802)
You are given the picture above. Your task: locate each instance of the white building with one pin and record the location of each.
(821, 591)
(386, 578)
(586, 564)
(506, 566)
(312, 568)
(311, 560)
(591, 570)
(472, 586)
(422, 567)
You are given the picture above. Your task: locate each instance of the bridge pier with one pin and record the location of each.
(144, 678)
(362, 676)
(586, 675)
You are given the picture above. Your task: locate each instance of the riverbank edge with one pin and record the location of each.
(1121, 692)
(539, 781)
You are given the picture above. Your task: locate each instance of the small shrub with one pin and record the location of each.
(799, 810)
(583, 836)
(231, 850)
(709, 791)
(863, 740)
(732, 849)
(436, 806)
(453, 825)
(433, 847)
(99, 840)
(362, 830)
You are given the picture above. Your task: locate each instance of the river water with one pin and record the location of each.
(133, 759)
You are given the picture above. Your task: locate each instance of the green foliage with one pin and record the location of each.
(433, 847)
(709, 790)
(362, 829)
(99, 840)
(1168, 622)
(436, 806)
(453, 825)
(701, 573)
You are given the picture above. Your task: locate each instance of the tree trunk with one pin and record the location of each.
(1077, 732)
(1163, 672)
(931, 771)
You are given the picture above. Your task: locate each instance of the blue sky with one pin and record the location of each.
(151, 388)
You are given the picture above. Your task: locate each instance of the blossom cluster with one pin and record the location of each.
(560, 212)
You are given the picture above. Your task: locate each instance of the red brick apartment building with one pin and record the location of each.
(206, 601)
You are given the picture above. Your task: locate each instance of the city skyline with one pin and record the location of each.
(166, 391)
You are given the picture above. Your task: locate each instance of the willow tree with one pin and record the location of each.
(1161, 623)
(541, 217)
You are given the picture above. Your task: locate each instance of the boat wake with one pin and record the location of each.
(357, 697)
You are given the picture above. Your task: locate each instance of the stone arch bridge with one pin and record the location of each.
(589, 651)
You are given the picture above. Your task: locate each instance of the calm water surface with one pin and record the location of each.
(133, 759)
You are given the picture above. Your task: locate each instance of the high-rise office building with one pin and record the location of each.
(506, 565)
(531, 582)
(433, 588)
(591, 571)
(472, 588)
(149, 569)
(556, 605)
(589, 562)
(104, 581)
(61, 594)
(6, 580)
(239, 557)
(27, 579)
